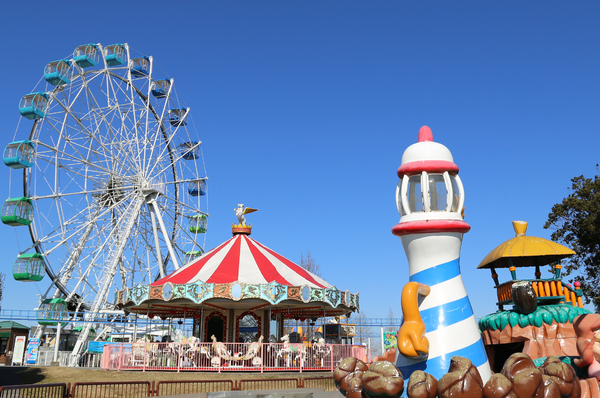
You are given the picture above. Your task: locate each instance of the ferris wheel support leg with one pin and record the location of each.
(161, 267)
(164, 232)
(114, 257)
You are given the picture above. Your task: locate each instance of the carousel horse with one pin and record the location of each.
(219, 348)
(253, 350)
(320, 348)
(293, 351)
(140, 350)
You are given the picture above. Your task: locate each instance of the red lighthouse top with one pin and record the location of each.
(427, 155)
(430, 195)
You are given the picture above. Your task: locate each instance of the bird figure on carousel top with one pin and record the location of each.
(240, 211)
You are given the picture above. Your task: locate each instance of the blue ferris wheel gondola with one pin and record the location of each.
(19, 154)
(197, 188)
(86, 55)
(115, 54)
(33, 106)
(140, 66)
(190, 150)
(178, 116)
(160, 88)
(58, 72)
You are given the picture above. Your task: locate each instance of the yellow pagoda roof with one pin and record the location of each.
(524, 251)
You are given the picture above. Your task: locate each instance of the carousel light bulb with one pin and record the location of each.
(430, 198)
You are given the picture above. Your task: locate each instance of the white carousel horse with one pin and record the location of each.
(220, 348)
(293, 351)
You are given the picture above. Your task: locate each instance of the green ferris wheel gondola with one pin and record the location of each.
(17, 211)
(198, 224)
(29, 267)
(51, 311)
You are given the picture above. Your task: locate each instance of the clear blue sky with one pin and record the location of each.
(305, 108)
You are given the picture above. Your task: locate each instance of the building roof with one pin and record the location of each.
(12, 325)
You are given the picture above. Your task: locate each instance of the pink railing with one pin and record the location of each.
(228, 356)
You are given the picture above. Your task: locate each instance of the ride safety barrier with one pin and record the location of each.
(228, 356)
(141, 389)
(545, 289)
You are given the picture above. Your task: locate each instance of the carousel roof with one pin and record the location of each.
(240, 273)
(244, 260)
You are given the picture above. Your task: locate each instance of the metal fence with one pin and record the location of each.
(129, 389)
(87, 360)
(223, 357)
(141, 389)
(177, 387)
(58, 390)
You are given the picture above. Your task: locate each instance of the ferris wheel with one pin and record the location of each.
(113, 188)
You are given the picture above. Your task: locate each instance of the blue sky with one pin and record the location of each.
(305, 108)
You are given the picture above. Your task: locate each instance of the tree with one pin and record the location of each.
(391, 329)
(576, 224)
(362, 332)
(309, 263)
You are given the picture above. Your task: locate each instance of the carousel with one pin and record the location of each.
(237, 297)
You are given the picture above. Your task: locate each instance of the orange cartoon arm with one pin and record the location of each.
(412, 342)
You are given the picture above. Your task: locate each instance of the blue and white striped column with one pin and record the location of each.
(451, 328)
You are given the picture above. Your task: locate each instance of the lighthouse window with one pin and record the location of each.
(455, 195)
(437, 192)
(415, 198)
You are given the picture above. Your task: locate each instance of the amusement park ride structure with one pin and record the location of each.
(113, 181)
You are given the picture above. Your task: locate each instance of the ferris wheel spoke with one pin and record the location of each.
(69, 111)
(64, 237)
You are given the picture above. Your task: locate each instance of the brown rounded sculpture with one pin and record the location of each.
(421, 385)
(462, 380)
(355, 388)
(563, 375)
(550, 388)
(383, 379)
(498, 386)
(350, 368)
(528, 383)
(516, 363)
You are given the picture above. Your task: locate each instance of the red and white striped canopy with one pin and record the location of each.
(242, 259)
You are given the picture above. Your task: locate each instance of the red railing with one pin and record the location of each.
(129, 389)
(178, 387)
(228, 356)
(57, 390)
(133, 389)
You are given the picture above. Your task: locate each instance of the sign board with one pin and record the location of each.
(98, 346)
(32, 351)
(390, 340)
(19, 349)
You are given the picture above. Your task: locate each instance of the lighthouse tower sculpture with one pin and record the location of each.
(430, 199)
